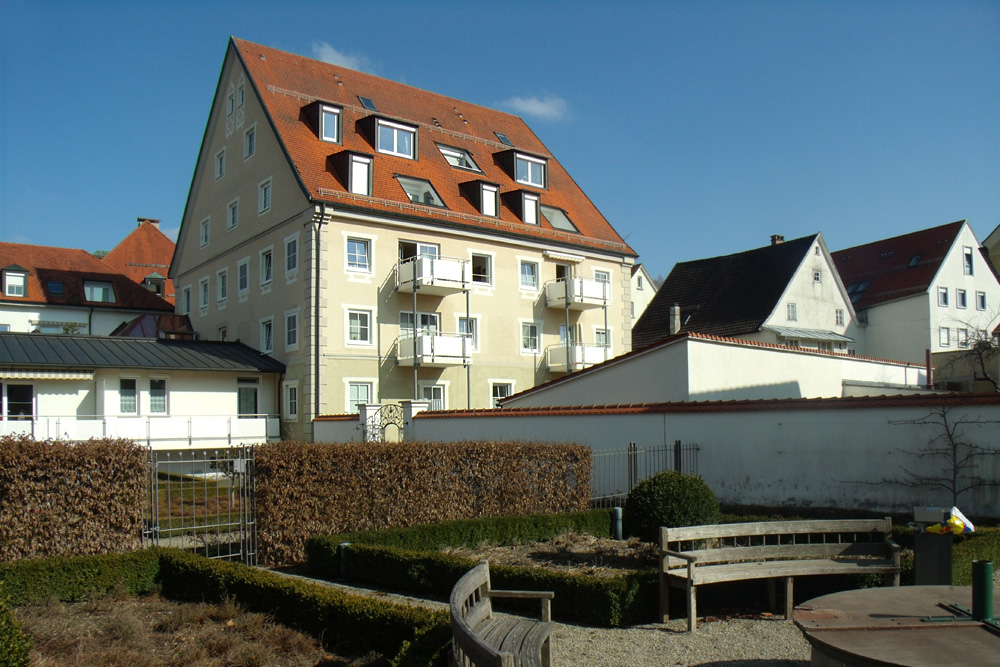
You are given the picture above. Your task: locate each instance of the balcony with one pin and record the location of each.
(577, 293)
(580, 357)
(434, 349)
(439, 276)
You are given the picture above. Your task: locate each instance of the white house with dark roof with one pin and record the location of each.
(389, 243)
(161, 393)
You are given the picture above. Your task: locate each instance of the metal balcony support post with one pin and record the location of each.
(466, 347)
(416, 362)
(569, 367)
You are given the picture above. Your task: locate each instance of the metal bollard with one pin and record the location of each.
(341, 551)
(616, 522)
(982, 590)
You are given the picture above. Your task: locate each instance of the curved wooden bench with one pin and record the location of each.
(480, 638)
(773, 550)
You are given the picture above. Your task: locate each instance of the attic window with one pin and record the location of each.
(503, 139)
(98, 292)
(54, 287)
(914, 261)
(854, 290)
(329, 124)
(367, 103)
(558, 219)
(420, 191)
(396, 139)
(457, 157)
(15, 284)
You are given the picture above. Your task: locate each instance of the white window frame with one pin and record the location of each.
(265, 195)
(425, 322)
(266, 269)
(792, 312)
(968, 268)
(222, 287)
(291, 267)
(537, 336)
(489, 193)
(603, 276)
(290, 400)
(135, 412)
(357, 313)
(324, 135)
(351, 383)
(460, 327)
(533, 285)
(166, 395)
(185, 300)
(203, 295)
(839, 317)
(489, 261)
(266, 334)
(243, 273)
(961, 299)
(530, 208)
(817, 276)
(105, 287)
(962, 337)
(943, 297)
(535, 165)
(356, 184)
(205, 232)
(291, 322)
(980, 300)
(233, 214)
(396, 128)
(598, 332)
(15, 283)
(458, 154)
(944, 336)
(220, 164)
(442, 386)
(494, 384)
(368, 244)
(250, 142)
(241, 95)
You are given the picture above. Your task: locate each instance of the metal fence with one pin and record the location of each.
(617, 471)
(203, 500)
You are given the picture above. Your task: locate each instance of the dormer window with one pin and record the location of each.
(329, 124)
(529, 170)
(396, 139)
(530, 209)
(98, 292)
(420, 191)
(360, 177)
(55, 287)
(490, 204)
(459, 158)
(558, 219)
(15, 283)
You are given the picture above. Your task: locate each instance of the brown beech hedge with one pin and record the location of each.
(59, 499)
(320, 489)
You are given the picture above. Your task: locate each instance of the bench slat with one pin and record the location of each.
(857, 526)
(788, 551)
(713, 574)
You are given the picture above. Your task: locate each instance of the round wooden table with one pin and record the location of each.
(883, 626)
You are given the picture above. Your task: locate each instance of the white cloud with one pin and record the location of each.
(548, 107)
(323, 51)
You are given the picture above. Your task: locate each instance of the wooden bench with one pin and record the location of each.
(695, 555)
(486, 640)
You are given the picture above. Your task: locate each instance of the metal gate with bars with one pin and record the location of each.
(203, 500)
(617, 471)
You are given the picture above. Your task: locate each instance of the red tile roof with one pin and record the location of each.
(886, 265)
(144, 251)
(287, 84)
(73, 267)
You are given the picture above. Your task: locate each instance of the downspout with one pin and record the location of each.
(324, 214)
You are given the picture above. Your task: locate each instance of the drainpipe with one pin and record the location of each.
(468, 346)
(317, 227)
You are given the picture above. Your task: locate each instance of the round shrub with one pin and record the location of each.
(668, 499)
(14, 644)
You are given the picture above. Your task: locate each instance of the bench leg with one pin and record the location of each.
(664, 598)
(692, 607)
(789, 596)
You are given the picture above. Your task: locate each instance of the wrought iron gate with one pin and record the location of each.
(390, 414)
(204, 501)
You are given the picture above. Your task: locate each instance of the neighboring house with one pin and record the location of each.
(699, 367)
(65, 290)
(144, 256)
(165, 394)
(930, 290)
(643, 291)
(787, 293)
(389, 243)
(992, 247)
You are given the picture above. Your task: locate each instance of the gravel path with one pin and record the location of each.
(719, 642)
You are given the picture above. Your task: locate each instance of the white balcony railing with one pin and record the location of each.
(578, 293)
(432, 348)
(158, 432)
(434, 275)
(579, 357)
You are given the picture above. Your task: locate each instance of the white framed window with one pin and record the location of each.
(360, 176)
(240, 95)
(220, 164)
(426, 323)
(250, 142)
(792, 312)
(459, 158)
(158, 396)
(420, 191)
(230, 103)
(529, 275)
(944, 336)
(359, 255)
(602, 338)
(482, 269)
(396, 139)
(962, 337)
(243, 277)
(980, 300)
(15, 284)
(266, 267)
(529, 337)
(222, 333)
(839, 317)
(408, 249)
(961, 300)
(291, 256)
(292, 329)
(558, 219)
(291, 403)
(436, 395)
(359, 327)
(500, 391)
(358, 393)
(221, 285)
(329, 124)
(604, 277)
(246, 396)
(529, 170)
(186, 300)
(267, 335)
(817, 276)
(490, 200)
(128, 395)
(638, 283)
(233, 213)
(98, 291)
(469, 326)
(967, 265)
(530, 211)
(264, 196)
(573, 334)
(942, 296)
(205, 228)
(203, 295)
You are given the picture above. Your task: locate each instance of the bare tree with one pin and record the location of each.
(958, 460)
(978, 356)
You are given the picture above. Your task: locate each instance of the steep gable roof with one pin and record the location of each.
(72, 268)
(728, 296)
(894, 268)
(287, 84)
(146, 250)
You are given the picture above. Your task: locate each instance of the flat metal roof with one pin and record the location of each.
(70, 351)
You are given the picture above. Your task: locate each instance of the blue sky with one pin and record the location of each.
(697, 128)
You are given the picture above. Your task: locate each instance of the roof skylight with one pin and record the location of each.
(367, 103)
(420, 191)
(503, 138)
(457, 157)
(558, 219)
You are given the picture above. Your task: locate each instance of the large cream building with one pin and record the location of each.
(388, 243)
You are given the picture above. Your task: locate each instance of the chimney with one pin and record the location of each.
(156, 223)
(675, 319)
(777, 239)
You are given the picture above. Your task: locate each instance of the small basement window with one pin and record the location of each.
(420, 191)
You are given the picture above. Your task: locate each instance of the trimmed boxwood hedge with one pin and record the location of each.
(15, 645)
